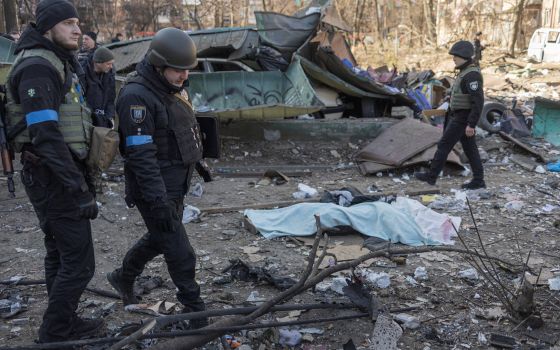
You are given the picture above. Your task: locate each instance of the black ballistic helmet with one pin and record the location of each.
(462, 48)
(171, 47)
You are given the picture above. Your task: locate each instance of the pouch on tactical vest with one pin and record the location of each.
(74, 118)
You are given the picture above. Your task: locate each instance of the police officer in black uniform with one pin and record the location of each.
(160, 141)
(40, 85)
(465, 106)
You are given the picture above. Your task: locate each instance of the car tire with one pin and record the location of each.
(490, 112)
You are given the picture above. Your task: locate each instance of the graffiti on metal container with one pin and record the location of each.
(259, 97)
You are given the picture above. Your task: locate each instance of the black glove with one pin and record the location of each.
(165, 217)
(87, 205)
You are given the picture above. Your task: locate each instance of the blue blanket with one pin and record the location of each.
(377, 219)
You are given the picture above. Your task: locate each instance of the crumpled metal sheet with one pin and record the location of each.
(254, 95)
(285, 33)
(333, 64)
(331, 80)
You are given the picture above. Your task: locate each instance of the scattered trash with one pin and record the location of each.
(10, 308)
(410, 280)
(25, 251)
(450, 203)
(515, 205)
(386, 334)
(160, 308)
(482, 339)
(408, 321)
(255, 298)
(420, 273)
(305, 191)
(540, 169)
(289, 337)
(244, 272)
(275, 177)
(554, 167)
(469, 274)
(549, 208)
(197, 190)
(377, 279)
(338, 284)
(232, 342)
(190, 214)
(554, 283)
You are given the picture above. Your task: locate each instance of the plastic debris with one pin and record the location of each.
(555, 167)
(197, 190)
(469, 274)
(540, 169)
(408, 321)
(9, 308)
(386, 334)
(190, 214)
(255, 298)
(514, 205)
(289, 337)
(420, 273)
(305, 191)
(554, 283)
(338, 284)
(378, 279)
(410, 280)
(482, 339)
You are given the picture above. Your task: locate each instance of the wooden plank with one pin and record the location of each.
(281, 204)
(523, 146)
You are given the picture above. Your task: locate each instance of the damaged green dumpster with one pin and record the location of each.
(254, 95)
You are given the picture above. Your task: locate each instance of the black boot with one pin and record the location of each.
(83, 328)
(426, 177)
(474, 184)
(125, 289)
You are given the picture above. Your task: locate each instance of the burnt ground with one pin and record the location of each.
(453, 312)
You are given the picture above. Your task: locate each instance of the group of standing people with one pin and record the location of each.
(48, 92)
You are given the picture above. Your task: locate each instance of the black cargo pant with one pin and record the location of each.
(69, 259)
(455, 132)
(177, 251)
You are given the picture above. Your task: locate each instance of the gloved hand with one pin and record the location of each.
(87, 205)
(164, 216)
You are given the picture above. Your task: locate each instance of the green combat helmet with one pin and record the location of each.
(171, 47)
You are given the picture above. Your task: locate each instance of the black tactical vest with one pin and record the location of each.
(177, 137)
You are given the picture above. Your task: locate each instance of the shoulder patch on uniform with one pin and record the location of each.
(137, 113)
(31, 92)
(473, 85)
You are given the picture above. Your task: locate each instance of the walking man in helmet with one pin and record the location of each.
(161, 144)
(44, 103)
(467, 100)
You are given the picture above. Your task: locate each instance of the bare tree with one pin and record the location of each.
(10, 15)
(516, 26)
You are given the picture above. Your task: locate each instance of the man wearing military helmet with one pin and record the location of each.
(465, 107)
(160, 141)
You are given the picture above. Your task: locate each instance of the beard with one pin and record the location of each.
(65, 43)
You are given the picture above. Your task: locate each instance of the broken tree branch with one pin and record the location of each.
(200, 340)
(23, 282)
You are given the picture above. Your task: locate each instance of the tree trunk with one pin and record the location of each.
(10, 15)
(516, 25)
(378, 21)
(355, 25)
